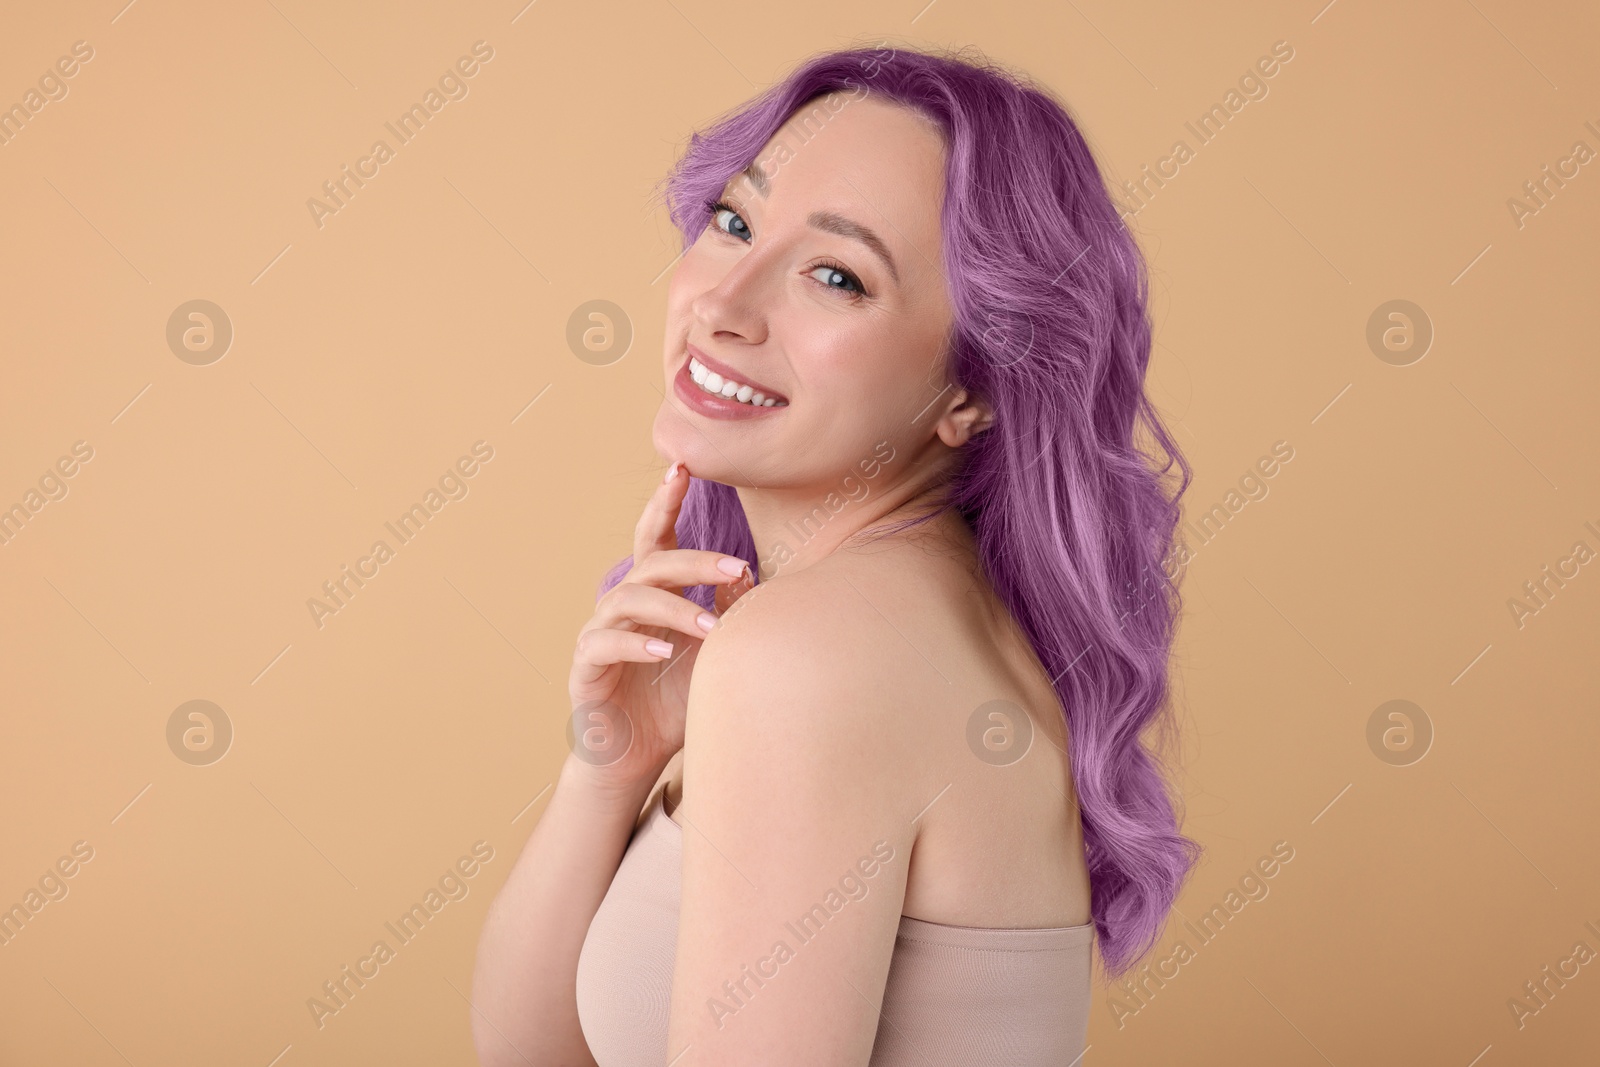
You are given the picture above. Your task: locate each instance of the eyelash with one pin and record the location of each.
(858, 293)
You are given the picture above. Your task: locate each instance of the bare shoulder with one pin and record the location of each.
(835, 632)
(803, 673)
(798, 634)
(860, 695)
(788, 613)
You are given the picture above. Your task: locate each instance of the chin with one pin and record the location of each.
(675, 439)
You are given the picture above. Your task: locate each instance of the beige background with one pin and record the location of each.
(369, 354)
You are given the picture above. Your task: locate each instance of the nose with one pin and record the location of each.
(735, 307)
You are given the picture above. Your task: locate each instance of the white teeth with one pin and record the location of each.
(716, 384)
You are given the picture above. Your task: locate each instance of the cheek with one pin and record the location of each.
(855, 359)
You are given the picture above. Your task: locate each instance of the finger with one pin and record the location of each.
(599, 649)
(675, 568)
(630, 606)
(657, 527)
(728, 595)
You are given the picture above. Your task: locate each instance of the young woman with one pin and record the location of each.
(877, 801)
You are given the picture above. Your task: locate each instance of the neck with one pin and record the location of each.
(797, 528)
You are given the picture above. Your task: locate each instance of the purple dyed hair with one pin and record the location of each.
(1072, 521)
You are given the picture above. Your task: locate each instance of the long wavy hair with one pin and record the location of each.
(1074, 524)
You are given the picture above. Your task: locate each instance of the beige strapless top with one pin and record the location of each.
(958, 995)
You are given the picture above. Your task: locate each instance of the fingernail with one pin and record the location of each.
(706, 621)
(733, 568)
(672, 472)
(658, 648)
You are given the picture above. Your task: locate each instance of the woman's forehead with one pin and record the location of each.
(853, 153)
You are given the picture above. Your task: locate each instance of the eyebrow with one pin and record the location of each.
(828, 221)
(756, 177)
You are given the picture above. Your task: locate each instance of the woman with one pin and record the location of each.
(876, 801)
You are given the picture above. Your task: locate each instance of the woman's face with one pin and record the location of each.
(822, 283)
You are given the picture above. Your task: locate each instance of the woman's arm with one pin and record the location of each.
(524, 986)
(525, 1009)
(798, 808)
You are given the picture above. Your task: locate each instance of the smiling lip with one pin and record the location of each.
(711, 406)
(733, 373)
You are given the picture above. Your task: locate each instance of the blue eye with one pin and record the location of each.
(738, 227)
(838, 277)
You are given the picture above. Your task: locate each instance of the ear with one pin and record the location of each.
(966, 418)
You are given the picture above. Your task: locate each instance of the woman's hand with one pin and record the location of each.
(634, 658)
